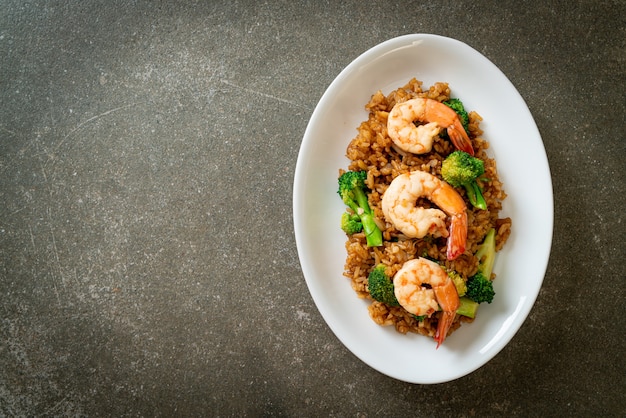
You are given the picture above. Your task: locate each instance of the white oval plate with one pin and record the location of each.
(515, 141)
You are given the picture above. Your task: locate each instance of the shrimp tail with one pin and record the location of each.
(448, 299)
(445, 322)
(457, 236)
(459, 137)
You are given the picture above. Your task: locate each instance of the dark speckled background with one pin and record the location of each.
(148, 265)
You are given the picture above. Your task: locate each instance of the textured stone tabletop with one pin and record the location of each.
(148, 264)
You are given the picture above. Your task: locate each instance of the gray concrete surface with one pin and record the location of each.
(147, 260)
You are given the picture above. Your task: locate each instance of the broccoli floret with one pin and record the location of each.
(351, 223)
(467, 307)
(459, 283)
(352, 192)
(461, 170)
(480, 289)
(457, 106)
(380, 286)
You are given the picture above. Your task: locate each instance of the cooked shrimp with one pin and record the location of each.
(422, 287)
(419, 139)
(399, 207)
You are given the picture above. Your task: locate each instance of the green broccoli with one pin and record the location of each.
(486, 254)
(351, 223)
(480, 286)
(457, 106)
(380, 286)
(458, 281)
(461, 169)
(352, 192)
(467, 307)
(480, 289)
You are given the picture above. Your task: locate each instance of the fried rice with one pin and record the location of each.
(373, 151)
